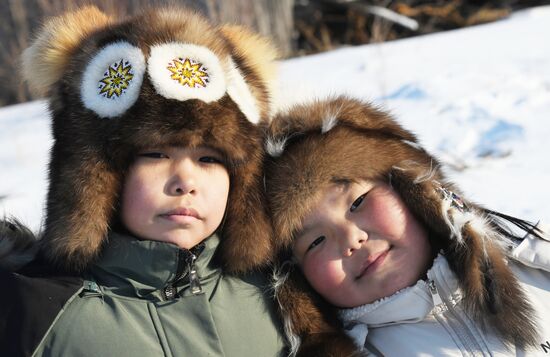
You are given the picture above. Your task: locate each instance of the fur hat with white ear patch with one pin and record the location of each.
(314, 145)
(163, 77)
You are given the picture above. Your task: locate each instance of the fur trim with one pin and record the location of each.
(310, 117)
(358, 141)
(18, 245)
(90, 157)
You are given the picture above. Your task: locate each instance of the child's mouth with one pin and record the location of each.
(372, 263)
(182, 215)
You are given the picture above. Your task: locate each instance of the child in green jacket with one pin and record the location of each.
(154, 207)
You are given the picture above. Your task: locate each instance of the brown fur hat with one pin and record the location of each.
(312, 146)
(163, 77)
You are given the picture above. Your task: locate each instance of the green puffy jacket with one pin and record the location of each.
(138, 301)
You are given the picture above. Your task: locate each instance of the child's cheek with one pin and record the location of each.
(322, 273)
(390, 216)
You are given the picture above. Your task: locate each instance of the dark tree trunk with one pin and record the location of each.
(271, 18)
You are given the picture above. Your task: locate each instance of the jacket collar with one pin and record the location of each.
(133, 267)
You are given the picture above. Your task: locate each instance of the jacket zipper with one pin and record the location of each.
(454, 322)
(194, 281)
(438, 302)
(185, 259)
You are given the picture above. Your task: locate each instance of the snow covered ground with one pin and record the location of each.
(478, 98)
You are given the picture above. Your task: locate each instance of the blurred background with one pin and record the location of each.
(298, 27)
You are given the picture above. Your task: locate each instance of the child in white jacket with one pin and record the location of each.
(387, 244)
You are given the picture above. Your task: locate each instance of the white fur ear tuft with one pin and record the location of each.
(330, 120)
(328, 123)
(275, 147)
(239, 91)
(45, 61)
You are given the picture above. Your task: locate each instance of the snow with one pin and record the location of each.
(25, 142)
(478, 98)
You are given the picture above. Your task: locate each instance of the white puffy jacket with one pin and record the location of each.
(427, 319)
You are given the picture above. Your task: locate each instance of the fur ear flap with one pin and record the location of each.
(81, 200)
(474, 250)
(492, 292)
(45, 60)
(417, 188)
(334, 344)
(310, 322)
(248, 234)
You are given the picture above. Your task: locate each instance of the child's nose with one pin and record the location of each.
(183, 180)
(353, 239)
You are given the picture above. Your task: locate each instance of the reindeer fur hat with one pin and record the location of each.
(163, 77)
(312, 146)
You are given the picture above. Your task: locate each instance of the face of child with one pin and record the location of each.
(176, 195)
(361, 243)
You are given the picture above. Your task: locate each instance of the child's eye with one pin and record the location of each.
(154, 155)
(210, 160)
(315, 243)
(357, 202)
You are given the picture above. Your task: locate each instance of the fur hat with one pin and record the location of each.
(312, 146)
(162, 77)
